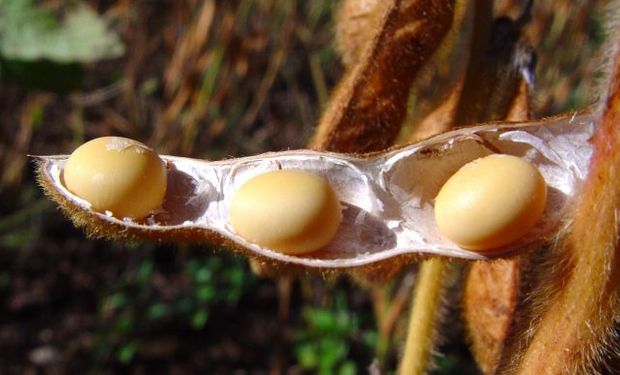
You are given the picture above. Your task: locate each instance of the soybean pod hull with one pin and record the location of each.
(386, 198)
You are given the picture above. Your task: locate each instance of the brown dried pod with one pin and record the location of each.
(437, 89)
(367, 109)
(387, 198)
(357, 22)
(489, 302)
(570, 323)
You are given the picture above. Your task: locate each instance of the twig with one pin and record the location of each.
(421, 330)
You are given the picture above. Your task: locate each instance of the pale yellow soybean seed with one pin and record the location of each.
(290, 211)
(490, 202)
(117, 174)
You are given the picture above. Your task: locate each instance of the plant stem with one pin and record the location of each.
(380, 305)
(424, 307)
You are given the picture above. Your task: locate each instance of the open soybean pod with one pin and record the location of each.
(387, 198)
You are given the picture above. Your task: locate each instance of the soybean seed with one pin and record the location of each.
(289, 211)
(117, 174)
(490, 202)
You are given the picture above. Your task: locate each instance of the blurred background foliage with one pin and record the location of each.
(205, 79)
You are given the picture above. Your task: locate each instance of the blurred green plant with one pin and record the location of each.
(43, 50)
(448, 364)
(135, 307)
(322, 345)
(28, 33)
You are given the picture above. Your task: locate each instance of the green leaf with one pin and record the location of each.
(157, 311)
(127, 352)
(17, 239)
(199, 319)
(116, 300)
(205, 293)
(322, 319)
(332, 351)
(144, 272)
(124, 324)
(307, 356)
(348, 368)
(370, 338)
(203, 275)
(30, 33)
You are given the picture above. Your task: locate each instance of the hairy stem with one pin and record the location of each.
(423, 317)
